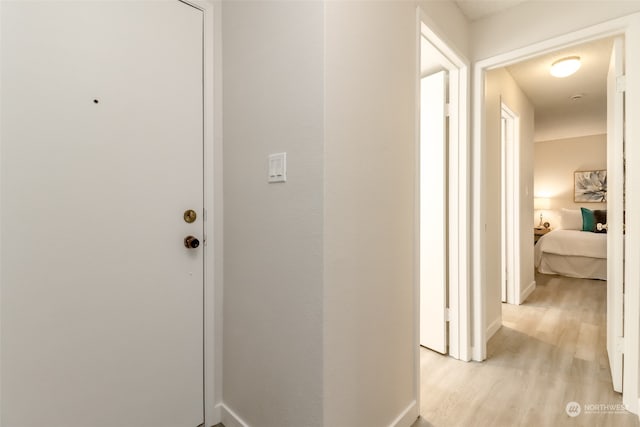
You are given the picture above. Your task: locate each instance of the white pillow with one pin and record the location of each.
(571, 219)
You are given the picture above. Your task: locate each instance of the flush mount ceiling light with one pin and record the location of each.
(565, 67)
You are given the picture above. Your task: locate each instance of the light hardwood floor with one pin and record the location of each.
(550, 351)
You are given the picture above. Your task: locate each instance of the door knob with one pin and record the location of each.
(191, 242)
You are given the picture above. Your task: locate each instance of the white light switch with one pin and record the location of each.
(277, 167)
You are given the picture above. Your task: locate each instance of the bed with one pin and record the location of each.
(572, 253)
(578, 248)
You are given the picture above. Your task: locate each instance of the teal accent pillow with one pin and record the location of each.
(588, 220)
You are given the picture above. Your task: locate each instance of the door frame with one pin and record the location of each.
(629, 27)
(510, 200)
(615, 217)
(212, 218)
(459, 230)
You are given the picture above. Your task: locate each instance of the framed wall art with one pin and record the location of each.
(590, 186)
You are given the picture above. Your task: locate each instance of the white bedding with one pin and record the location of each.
(573, 242)
(572, 253)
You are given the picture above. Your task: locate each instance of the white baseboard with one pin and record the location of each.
(215, 417)
(493, 327)
(407, 417)
(230, 418)
(525, 294)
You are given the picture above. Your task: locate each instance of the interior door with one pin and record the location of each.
(101, 155)
(433, 212)
(615, 213)
(505, 255)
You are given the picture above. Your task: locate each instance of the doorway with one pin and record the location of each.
(442, 199)
(480, 272)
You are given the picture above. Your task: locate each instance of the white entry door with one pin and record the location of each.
(433, 212)
(615, 213)
(101, 153)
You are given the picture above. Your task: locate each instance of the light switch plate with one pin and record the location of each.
(277, 167)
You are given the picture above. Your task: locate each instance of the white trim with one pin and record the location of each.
(229, 418)
(494, 327)
(615, 215)
(630, 27)
(510, 199)
(632, 197)
(406, 417)
(479, 224)
(528, 291)
(416, 216)
(1, 340)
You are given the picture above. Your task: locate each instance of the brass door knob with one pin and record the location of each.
(191, 242)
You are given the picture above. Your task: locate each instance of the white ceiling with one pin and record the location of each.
(557, 115)
(476, 9)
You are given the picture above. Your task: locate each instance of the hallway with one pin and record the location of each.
(550, 351)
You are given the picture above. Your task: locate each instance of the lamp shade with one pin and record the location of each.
(541, 203)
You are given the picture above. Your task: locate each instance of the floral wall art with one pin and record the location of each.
(590, 186)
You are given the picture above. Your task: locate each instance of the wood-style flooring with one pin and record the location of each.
(550, 351)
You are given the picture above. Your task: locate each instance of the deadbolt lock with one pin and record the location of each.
(191, 242)
(190, 216)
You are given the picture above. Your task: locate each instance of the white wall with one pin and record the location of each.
(319, 272)
(555, 163)
(564, 123)
(273, 265)
(501, 88)
(370, 136)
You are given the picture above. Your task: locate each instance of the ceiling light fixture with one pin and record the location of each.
(565, 67)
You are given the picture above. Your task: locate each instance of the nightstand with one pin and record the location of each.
(538, 232)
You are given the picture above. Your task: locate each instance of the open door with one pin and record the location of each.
(510, 196)
(433, 212)
(615, 213)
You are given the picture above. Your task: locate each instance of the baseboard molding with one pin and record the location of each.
(407, 417)
(525, 294)
(215, 417)
(493, 327)
(230, 418)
